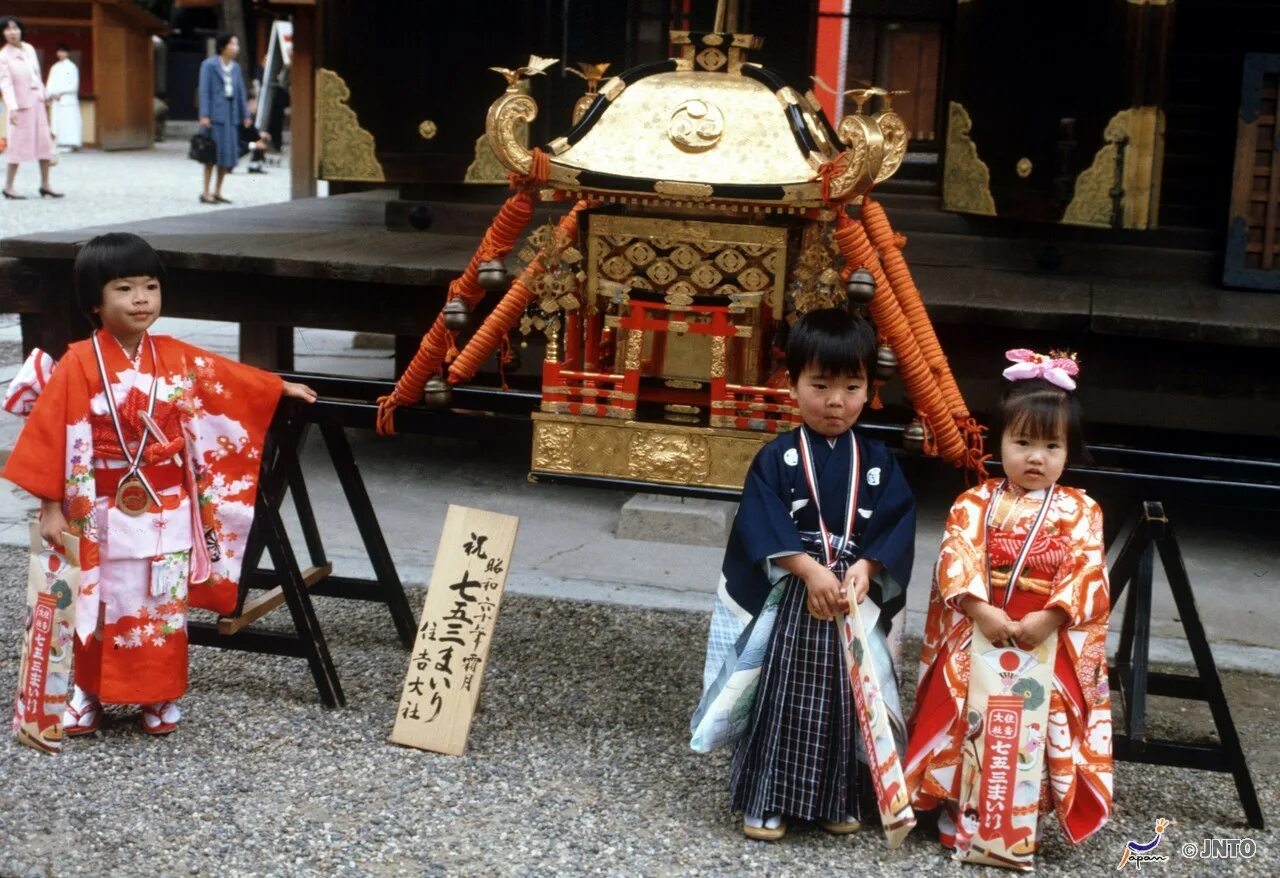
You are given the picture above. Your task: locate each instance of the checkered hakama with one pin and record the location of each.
(798, 757)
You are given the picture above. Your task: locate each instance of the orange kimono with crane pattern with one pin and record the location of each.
(138, 580)
(1065, 569)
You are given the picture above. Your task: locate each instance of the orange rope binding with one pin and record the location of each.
(922, 385)
(890, 244)
(499, 240)
(507, 313)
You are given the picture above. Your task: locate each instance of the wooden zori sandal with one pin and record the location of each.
(844, 827)
(764, 832)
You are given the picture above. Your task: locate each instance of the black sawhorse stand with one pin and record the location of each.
(1132, 679)
(285, 582)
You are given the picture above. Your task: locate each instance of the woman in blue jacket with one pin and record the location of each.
(223, 107)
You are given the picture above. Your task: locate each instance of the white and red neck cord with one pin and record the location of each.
(811, 478)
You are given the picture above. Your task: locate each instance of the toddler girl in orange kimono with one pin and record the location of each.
(1062, 586)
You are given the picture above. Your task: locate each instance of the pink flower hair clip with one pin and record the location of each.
(1059, 368)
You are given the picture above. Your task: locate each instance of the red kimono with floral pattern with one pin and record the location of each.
(139, 574)
(1065, 569)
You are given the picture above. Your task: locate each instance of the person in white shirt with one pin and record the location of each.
(63, 93)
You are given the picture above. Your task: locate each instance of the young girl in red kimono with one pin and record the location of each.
(1062, 586)
(149, 449)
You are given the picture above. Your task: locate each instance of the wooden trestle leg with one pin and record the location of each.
(1131, 678)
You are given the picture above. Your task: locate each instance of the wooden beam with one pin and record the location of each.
(302, 103)
(268, 601)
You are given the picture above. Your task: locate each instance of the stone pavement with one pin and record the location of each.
(567, 545)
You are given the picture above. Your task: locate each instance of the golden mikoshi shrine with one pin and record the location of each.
(710, 206)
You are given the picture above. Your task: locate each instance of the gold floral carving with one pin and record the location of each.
(510, 113)
(1140, 133)
(966, 180)
(485, 166)
(553, 447)
(717, 356)
(895, 144)
(650, 452)
(668, 457)
(861, 160)
(427, 129)
(635, 343)
(345, 150)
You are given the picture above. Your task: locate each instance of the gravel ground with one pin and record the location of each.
(578, 765)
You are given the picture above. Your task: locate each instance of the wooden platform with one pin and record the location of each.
(319, 262)
(1139, 307)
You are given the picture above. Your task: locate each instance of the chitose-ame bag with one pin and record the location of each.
(44, 671)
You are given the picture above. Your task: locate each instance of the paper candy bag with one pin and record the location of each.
(44, 670)
(865, 649)
(1004, 752)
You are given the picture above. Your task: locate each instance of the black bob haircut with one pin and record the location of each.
(835, 341)
(106, 258)
(4, 23)
(221, 40)
(63, 47)
(1039, 409)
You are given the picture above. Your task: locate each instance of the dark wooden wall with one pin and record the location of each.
(1210, 39)
(409, 61)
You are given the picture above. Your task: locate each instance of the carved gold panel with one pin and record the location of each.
(660, 453)
(1139, 131)
(966, 179)
(678, 258)
(345, 151)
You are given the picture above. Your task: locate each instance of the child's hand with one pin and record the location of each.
(299, 391)
(826, 594)
(52, 522)
(857, 581)
(1039, 625)
(993, 622)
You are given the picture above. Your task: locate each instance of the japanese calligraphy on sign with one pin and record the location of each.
(1000, 777)
(449, 655)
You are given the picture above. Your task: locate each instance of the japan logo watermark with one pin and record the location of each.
(1140, 853)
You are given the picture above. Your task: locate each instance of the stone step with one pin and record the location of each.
(658, 518)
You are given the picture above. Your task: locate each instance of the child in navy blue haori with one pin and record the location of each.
(775, 683)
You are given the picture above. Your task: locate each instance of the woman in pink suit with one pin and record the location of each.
(22, 91)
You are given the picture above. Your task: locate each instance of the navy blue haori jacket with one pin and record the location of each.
(776, 508)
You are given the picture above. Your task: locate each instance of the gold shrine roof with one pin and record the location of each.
(706, 127)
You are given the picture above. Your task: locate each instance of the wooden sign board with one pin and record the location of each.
(454, 633)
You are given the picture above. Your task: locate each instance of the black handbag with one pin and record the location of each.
(203, 149)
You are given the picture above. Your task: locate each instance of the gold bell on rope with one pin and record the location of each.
(913, 437)
(886, 362)
(457, 316)
(861, 287)
(492, 274)
(437, 394)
